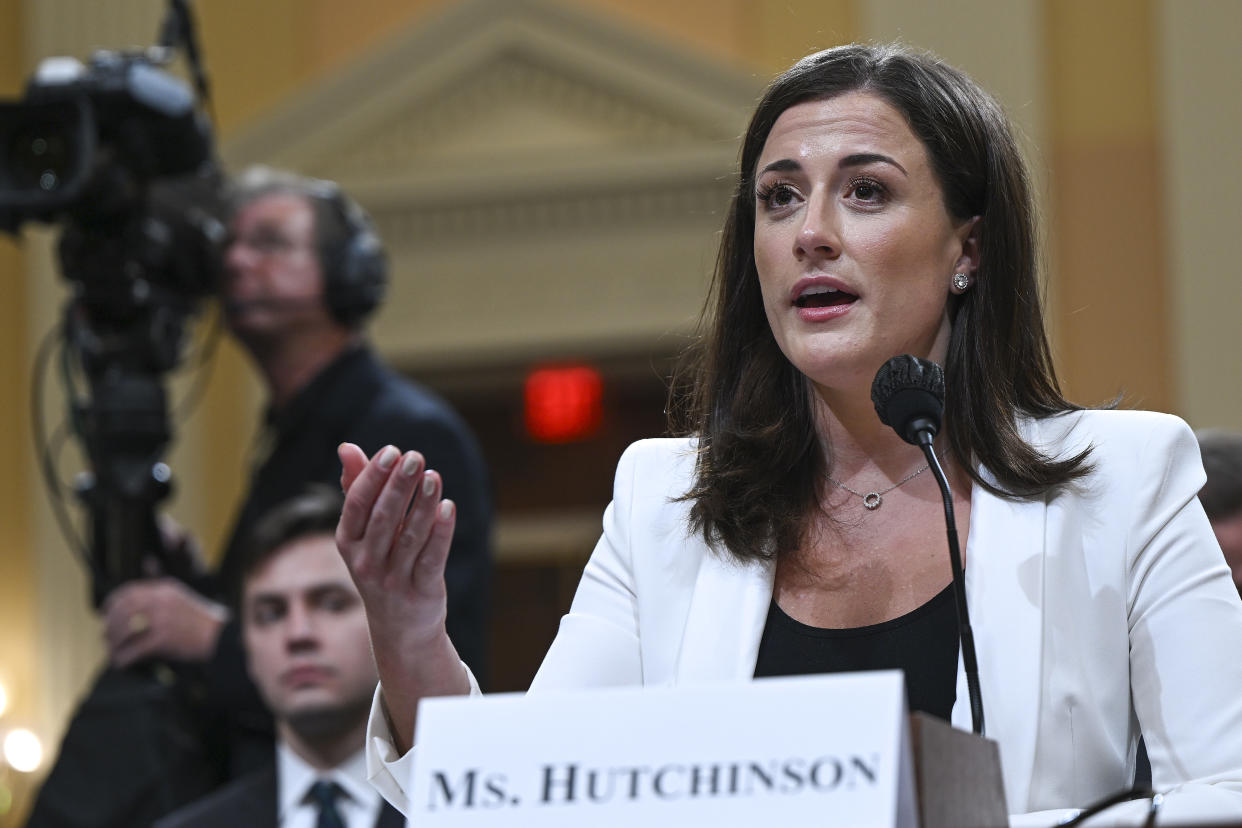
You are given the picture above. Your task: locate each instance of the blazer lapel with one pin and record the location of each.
(1005, 594)
(725, 621)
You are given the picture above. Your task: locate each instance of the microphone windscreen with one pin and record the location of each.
(909, 390)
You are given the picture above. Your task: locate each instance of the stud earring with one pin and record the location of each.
(961, 282)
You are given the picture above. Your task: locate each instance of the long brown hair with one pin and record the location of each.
(761, 466)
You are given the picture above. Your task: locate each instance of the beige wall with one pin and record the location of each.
(1130, 113)
(18, 600)
(1199, 121)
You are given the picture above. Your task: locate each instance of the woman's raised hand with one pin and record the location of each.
(394, 550)
(394, 534)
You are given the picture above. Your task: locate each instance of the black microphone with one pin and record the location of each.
(908, 394)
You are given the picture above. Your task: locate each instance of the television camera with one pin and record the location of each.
(119, 154)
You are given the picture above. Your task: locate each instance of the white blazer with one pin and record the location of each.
(1099, 613)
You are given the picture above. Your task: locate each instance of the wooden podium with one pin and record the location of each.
(957, 776)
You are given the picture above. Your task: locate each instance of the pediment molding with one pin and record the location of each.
(548, 182)
(513, 104)
(491, 83)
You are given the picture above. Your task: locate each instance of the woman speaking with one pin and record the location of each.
(882, 209)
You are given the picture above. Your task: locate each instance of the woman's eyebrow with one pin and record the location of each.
(858, 159)
(783, 165)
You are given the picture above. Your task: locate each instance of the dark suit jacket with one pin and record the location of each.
(249, 802)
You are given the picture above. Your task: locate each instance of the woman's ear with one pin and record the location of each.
(970, 234)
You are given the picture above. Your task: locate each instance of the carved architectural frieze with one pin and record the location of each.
(443, 221)
(515, 105)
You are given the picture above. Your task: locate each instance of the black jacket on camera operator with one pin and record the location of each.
(303, 269)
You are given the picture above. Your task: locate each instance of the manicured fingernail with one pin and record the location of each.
(429, 486)
(446, 509)
(409, 465)
(387, 457)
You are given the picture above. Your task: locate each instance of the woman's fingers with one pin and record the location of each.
(364, 492)
(389, 511)
(430, 564)
(353, 461)
(419, 523)
(380, 533)
(395, 532)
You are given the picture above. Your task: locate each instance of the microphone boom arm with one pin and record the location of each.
(969, 660)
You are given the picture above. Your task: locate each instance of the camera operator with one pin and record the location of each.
(303, 271)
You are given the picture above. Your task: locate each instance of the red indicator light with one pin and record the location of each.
(564, 403)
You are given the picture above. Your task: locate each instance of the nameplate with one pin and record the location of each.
(816, 750)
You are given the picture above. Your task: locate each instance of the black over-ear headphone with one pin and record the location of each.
(355, 266)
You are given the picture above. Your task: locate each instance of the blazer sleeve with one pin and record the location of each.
(387, 770)
(1185, 637)
(1183, 622)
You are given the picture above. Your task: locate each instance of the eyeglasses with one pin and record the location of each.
(268, 243)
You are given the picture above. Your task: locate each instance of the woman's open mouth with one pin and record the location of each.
(822, 296)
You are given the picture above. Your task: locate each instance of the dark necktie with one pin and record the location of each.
(323, 794)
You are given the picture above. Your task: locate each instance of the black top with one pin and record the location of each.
(922, 643)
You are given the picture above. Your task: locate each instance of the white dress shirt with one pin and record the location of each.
(357, 801)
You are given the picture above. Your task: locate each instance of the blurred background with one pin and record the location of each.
(550, 177)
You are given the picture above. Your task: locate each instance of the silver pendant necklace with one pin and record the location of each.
(874, 500)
